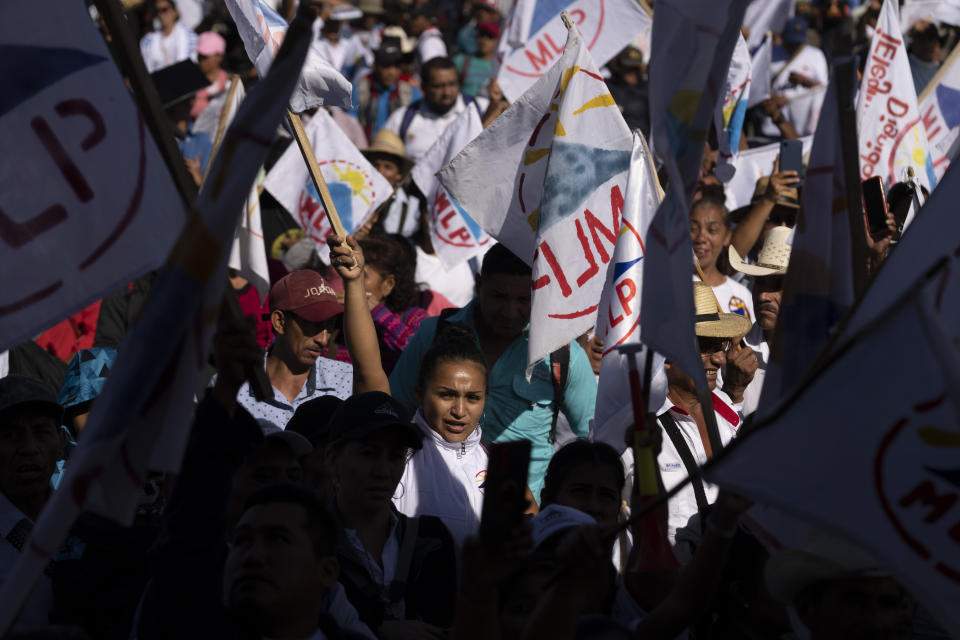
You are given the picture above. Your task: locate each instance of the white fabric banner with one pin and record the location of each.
(456, 237)
(940, 110)
(887, 480)
(356, 186)
(889, 129)
(262, 29)
(693, 43)
(752, 165)
(618, 319)
(534, 36)
(569, 161)
(248, 255)
(818, 288)
(731, 111)
(141, 420)
(760, 75)
(765, 15)
(88, 202)
(936, 11)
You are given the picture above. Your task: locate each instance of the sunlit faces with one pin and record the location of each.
(713, 354)
(306, 340)
(453, 399)
(388, 168)
(505, 303)
(441, 89)
(709, 234)
(167, 14)
(377, 285)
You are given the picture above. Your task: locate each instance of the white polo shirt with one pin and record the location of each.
(426, 125)
(684, 505)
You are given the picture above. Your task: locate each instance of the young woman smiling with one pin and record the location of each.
(710, 234)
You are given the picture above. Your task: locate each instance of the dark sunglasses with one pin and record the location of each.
(711, 346)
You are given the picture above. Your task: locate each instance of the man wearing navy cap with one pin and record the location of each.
(304, 313)
(797, 68)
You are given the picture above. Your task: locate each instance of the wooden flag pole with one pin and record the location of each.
(308, 156)
(566, 20)
(221, 125)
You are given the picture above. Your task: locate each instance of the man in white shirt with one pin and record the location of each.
(797, 68)
(430, 44)
(768, 273)
(420, 123)
(687, 441)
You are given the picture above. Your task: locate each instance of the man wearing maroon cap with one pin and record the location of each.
(304, 313)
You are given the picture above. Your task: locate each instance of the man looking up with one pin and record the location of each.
(421, 123)
(515, 408)
(304, 313)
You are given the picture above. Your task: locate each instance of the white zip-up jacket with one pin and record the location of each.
(444, 479)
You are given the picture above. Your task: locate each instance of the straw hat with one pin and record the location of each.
(388, 143)
(773, 258)
(407, 44)
(710, 322)
(824, 557)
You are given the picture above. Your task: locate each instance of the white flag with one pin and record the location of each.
(141, 421)
(766, 15)
(692, 46)
(882, 470)
(818, 289)
(455, 236)
(940, 110)
(891, 135)
(618, 320)
(731, 111)
(534, 36)
(752, 165)
(248, 255)
(760, 76)
(356, 187)
(569, 160)
(262, 29)
(88, 202)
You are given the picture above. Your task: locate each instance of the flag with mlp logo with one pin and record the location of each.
(891, 135)
(884, 472)
(569, 151)
(356, 187)
(940, 111)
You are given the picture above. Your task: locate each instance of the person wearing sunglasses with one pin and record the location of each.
(171, 42)
(687, 442)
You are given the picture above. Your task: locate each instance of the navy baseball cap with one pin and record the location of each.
(795, 30)
(16, 390)
(364, 414)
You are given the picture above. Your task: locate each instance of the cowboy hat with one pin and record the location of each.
(387, 143)
(711, 323)
(823, 557)
(773, 258)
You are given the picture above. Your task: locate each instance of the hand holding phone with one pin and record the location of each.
(875, 206)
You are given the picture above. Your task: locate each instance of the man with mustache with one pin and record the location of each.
(768, 273)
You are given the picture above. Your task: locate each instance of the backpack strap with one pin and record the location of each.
(686, 456)
(559, 372)
(408, 116)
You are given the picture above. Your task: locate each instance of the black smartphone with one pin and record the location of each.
(791, 157)
(875, 205)
(504, 491)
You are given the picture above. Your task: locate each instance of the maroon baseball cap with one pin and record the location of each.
(490, 28)
(306, 294)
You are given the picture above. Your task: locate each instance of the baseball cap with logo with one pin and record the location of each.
(364, 414)
(306, 294)
(795, 30)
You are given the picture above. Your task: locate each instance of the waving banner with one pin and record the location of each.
(940, 110)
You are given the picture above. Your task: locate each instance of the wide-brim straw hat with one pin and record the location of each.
(711, 322)
(823, 558)
(773, 258)
(388, 143)
(407, 44)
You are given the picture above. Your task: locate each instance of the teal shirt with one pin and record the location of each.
(478, 74)
(515, 409)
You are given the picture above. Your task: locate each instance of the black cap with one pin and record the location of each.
(16, 390)
(178, 82)
(427, 10)
(389, 53)
(366, 413)
(312, 418)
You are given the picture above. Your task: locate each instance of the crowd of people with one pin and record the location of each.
(350, 502)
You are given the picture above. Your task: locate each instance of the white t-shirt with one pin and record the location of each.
(809, 62)
(456, 284)
(735, 298)
(427, 126)
(751, 395)
(395, 213)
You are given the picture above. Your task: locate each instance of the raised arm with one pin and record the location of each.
(359, 331)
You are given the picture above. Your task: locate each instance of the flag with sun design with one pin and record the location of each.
(356, 186)
(563, 152)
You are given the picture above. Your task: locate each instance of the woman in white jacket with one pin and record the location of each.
(445, 478)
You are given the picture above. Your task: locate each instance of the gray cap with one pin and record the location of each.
(16, 390)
